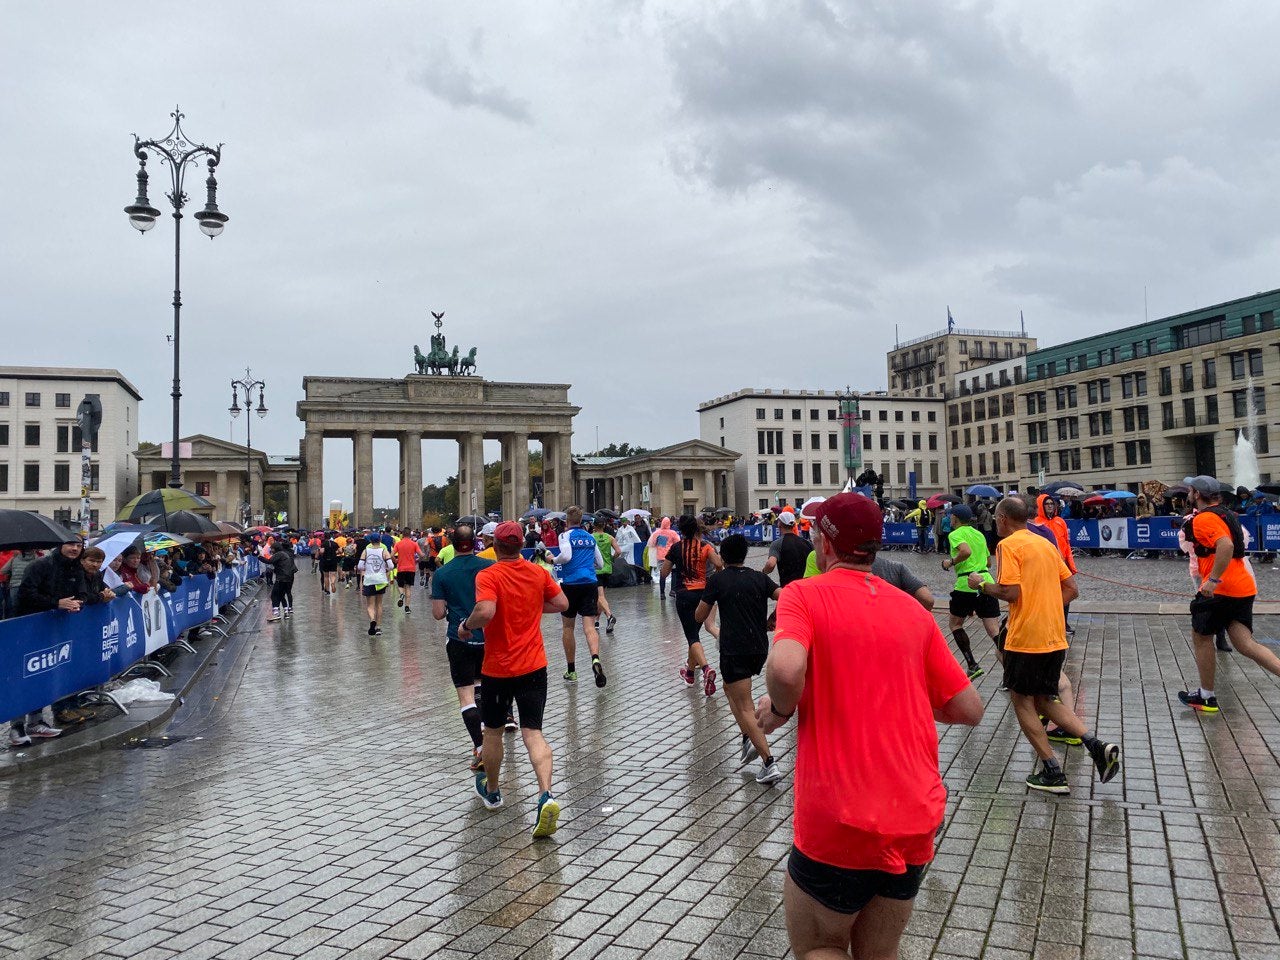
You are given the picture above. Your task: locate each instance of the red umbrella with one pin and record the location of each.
(938, 499)
(1094, 501)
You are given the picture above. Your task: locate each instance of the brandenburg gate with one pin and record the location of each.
(467, 409)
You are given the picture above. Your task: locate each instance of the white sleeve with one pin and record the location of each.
(599, 558)
(566, 550)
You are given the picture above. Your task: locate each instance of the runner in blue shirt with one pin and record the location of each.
(579, 559)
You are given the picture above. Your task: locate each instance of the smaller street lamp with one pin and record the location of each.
(248, 384)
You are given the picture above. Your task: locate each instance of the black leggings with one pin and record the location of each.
(686, 603)
(282, 593)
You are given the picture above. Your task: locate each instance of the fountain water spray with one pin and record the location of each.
(1245, 454)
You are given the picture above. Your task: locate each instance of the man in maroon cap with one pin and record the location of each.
(870, 673)
(511, 597)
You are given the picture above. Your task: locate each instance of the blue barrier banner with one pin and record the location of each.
(904, 533)
(1084, 534)
(192, 604)
(1269, 531)
(1153, 533)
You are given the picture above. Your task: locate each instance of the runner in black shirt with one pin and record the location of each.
(789, 552)
(743, 597)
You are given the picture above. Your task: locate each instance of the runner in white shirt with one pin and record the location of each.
(375, 564)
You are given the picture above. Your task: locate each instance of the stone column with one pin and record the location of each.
(291, 503)
(709, 487)
(363, 469)
(475, 474)
(677, 484)
(507, 474)
(256, 501)
(411, 443)
(313, 458)
(519, 475)
(564, 465)
(225, 510)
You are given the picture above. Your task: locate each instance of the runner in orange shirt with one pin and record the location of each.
(511, 597)
(1227, 590)
(406, 553)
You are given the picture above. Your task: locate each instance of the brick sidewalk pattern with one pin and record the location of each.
(321, 807)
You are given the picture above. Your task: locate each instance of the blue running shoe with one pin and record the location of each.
(491, 800)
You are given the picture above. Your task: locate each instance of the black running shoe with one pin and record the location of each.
(1197, 702)
(1106, 759)
(598, 670)
(1049, 782)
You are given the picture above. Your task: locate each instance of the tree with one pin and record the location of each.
(620, 450)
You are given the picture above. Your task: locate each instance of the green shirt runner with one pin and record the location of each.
(977, 561)
(606, 551)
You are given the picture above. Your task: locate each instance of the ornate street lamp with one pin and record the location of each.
(248, 384)
(176, 152)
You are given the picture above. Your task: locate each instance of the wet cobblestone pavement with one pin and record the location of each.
(321, 807)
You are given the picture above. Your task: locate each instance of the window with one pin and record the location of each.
(722, 427)
(1202, 331)
(1187, 380)
(795, 414)
(897, 416)
(966, 411)
(1261, 441)
(1166, 416)
(884, 415)
(31, 478)
(900, 441)
(1211, 409)
(31, 435)
(1100, 457)
(1010, 459)
(1188, 411)
(762, 473)
(62, 399)
(813, 414)
(797, 440)
(33, 400)
(93, 477)
(777, 413)
(982, 463)
(797, 471)
(933, 441)
(964, 346)
(995, 433)
(815, 441)
(1064, 460)
(1255, 363)
(915, 416)
(77, 438)
(933, 416)
(955, 466)
(4, 478)
(916, 442)
(760, 441)
(1210, 379)
(1237, 366)
(1144, 451)
(833, 441)
(762, 503)
(688, 484)
(759, 413)
(721, 440)
(832, 414)
(933, 472)
(61, 477)
(1006, 405)
(1166, 381)
(780, 472)
(867, 441)
(4, 434)
(817, 474)
(968, 465)
(4, 398)
(968, 437)
(884, 441)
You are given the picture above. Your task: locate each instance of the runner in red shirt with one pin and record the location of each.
(870, 673)
(407, 553)
(511, 597)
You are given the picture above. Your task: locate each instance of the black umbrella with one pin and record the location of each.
(606, 512)
(23, 530)
(191, 524)
(473, 521)
(1271, 488)
(156, 503)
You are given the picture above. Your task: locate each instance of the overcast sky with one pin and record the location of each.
(658, 203)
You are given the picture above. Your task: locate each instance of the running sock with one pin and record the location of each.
(1051, 766)
(471, 717)
(961, 637)
(571, 667)
(1206, 693)
(595, 658)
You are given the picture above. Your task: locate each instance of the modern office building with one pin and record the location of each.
(927, 366)
(40, 441)
(1159, 400)
(791, 446)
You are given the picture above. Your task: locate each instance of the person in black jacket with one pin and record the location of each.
(284, 567)
(54, 582)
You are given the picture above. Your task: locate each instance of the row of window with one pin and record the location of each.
(898, 415)
(1244, 363)
(61, 477)
(797, 472)
(1011, 464)
(68, 437)
(835, 476)
(770, 441)
(982, 435)
(992, 407)
(33, 399)
(900, 441)
(796, 414)
(1138, 417)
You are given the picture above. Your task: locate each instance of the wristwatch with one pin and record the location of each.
(774, 711)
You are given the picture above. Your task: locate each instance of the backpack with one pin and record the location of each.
(1233, 524)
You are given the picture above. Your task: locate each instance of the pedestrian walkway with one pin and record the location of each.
(321, 806)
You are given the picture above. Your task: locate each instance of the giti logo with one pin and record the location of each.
(42, 661)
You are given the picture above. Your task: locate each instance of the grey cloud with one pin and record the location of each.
(454, 83)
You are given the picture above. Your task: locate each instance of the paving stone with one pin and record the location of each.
(352, 830)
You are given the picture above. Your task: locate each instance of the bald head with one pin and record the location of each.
(1014, 510)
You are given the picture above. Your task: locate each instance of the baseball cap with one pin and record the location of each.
(489, 529)
(807, 511)
(850, 521)
(961, 512)
(508, 531)
(1204, 484)
(786, 518)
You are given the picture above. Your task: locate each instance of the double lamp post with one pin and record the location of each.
(248, 385)
(176, 152)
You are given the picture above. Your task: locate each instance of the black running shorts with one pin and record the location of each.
(741, 666)
(464, 662)
(405, 578)
(582, 600)
(1033, 674)
(686, 605)
(528, 692)
(982, 605)
(373, 589)
(1211, 614)
(848, 891)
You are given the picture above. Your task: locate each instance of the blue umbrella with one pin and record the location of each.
(983, 490)
(1120, 495)
(536, 513)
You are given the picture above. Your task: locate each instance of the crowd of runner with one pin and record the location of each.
(851, 646)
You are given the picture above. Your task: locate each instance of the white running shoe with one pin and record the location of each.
(42, 730)
(770, 772)
(17, 739)
(749, 751)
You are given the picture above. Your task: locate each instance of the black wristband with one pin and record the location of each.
(774, 711)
